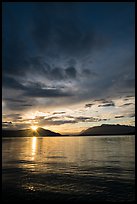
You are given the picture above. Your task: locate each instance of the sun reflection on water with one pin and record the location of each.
(34, 144)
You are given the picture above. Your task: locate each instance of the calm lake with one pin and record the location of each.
(88, 168)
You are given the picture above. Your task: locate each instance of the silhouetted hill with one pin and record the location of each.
(43, 132)
(28, 133)
(106, 129)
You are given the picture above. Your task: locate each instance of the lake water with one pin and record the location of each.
(88, 168)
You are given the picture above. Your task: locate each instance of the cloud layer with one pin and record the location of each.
(65, 54)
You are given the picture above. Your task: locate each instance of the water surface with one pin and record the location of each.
(88, 168)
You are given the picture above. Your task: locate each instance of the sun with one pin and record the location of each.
(34, 128)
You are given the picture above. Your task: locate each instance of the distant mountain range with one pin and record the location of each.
(106, 129)
(28, 133)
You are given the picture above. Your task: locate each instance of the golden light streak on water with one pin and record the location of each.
(34, 144)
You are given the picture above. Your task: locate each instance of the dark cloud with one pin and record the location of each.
(61, 112)
(16, 126)
(7, 124)
(67, 50)
(103, 101)
(15, 60)
(72, 62)
(9, 82)
(99, 100)
(52, 31)
(58, 122)
(45, 32)
(103, 119)
(17, 103)
(54, 121)
(14, 100)
(130, 83)
(132, 115)
(71, 72)
(16, 106)
(107, 104)
(68, 119)
(41, 30)
(129, 96)
(107, 101)
(39, 118)
(120, 116)
(127, 104)
(57, 73)
(38, 65)
(13, 116)
(27, 105)
(86, 72)
(43, 93)
(85, 119)
(34, 90)
(88, 105)
(89, 73)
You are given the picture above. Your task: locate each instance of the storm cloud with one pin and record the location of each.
(57, 44)
(63, 54)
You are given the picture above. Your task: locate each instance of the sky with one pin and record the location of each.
(68, 66)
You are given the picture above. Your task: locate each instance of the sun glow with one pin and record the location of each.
(34, 128)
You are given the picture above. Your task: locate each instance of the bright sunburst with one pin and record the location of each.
(34, 128)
